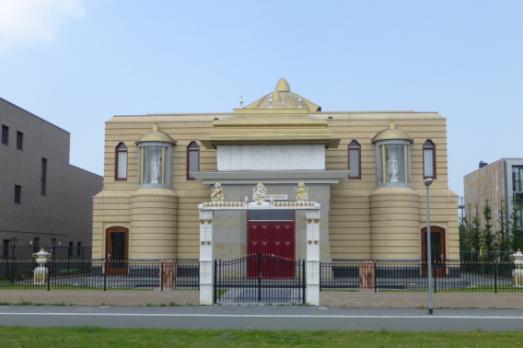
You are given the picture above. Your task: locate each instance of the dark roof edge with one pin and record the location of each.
(36, 116)
(85, 170)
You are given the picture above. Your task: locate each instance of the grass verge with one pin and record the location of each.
(98, 337)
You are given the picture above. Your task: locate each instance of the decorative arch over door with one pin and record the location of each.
(116, 250)
(438, 250)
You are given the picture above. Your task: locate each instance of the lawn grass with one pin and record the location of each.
(97, 337)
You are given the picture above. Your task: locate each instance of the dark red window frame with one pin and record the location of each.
(192, 147)
(429, 145)
(117, 151)
(354, 145)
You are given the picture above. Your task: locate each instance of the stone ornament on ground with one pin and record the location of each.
(517, 273)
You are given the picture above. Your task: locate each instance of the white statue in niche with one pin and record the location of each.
(217, 194)
(393, 168)
(259, 193)
(302, 192)
(156, 164)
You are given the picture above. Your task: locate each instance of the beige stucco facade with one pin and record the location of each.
(360, 219)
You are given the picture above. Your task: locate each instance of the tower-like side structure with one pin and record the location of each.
(394, 204)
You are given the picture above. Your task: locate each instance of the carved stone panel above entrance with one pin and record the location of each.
(271, 157)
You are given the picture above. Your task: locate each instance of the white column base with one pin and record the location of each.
(206, 282)
(312, 281)
(312, 295)
(206, 294)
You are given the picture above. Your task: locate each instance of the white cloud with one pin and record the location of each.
(27, 21)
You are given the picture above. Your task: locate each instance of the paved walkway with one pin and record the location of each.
(412, 300)
(99, 297)
(340, 299)
(262, 317)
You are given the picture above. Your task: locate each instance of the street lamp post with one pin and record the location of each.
(427, 183)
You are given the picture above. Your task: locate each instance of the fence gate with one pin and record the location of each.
(259, 279)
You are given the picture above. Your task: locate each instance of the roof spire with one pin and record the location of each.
(282, 98)
(282, 86)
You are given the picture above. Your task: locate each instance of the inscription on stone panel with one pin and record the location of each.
(270, 157)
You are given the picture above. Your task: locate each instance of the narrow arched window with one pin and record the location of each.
(354, 160)
(121, 162)
(429, 160)
(193, 159)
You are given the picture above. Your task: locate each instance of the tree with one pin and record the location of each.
(474, 234)
(503, 238)
(487, 238)
(464, 245)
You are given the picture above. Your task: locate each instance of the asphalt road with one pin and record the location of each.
(262, 317)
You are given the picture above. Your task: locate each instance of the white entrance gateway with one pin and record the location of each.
(312, 216)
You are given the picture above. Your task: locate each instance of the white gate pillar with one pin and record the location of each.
(206, 258)
(312, 274)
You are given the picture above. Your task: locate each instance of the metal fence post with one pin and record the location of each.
(375, 277)
(259, 276)
(303, 285)
(496, 278)
(161, 275)
(49, 276)
(434, 279)
(10, 270)
(105, 275)
(215, 285)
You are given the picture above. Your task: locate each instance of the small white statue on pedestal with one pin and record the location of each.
(393, 168)
(302, 192)
(259, 193)
(217, 194)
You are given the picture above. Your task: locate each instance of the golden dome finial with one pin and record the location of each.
(282, 98)
(391, 133)
(282, 86)
(156, 136)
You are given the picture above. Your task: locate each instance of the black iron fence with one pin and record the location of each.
(179, 274)
(251, 279)
(449, 276)
(259, 279)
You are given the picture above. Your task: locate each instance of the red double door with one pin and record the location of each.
(271, 246)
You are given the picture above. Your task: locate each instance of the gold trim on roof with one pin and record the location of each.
(156, 135)
(281, 117)
(391, 133)
(282, 98)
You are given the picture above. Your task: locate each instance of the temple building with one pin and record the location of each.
(363, 171)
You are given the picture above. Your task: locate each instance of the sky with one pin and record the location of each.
(78, 62)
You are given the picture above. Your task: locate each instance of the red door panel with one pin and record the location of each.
(275, 240)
